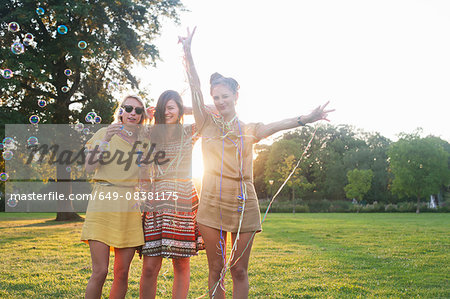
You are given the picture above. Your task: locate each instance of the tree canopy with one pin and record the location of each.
(73, 54)
(60, 60)
(419, 165)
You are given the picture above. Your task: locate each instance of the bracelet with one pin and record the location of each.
(300, 123)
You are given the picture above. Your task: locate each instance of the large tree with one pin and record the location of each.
(419, 165)
(97, 41)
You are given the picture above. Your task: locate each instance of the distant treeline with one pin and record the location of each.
(319, 183)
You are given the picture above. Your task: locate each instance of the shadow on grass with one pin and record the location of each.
(47, 223)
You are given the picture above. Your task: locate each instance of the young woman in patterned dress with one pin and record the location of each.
(169, 220)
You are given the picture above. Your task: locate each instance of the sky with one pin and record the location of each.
(383, 65)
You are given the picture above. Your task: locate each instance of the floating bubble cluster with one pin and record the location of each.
(90, 117)
(68, 72)
(42, 103)
(40, 11)
(7, 74)
(82, 44)
(3, 176)
(34, 119)
(65, 89)
(7, 155)
(17, 48)
(32, 141)
(62, 29)
(13, 27)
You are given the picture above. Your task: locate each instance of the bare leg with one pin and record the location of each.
(149, 277)
(216, 252)
(100, 262)
(181, 277)
(239, 271)
(122, 262)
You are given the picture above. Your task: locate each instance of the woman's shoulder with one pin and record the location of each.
(98, 135)
(102, 130)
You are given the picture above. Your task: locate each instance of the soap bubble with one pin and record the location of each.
(86, 131)
(3, 176)
(40, 11)
(82, 44)
(7, 74)
(97, 119)
(62, 29)
(51, 101)
(103, 146)
(113, 85)
(32, 141)
(17, 48)
(12, 202)
(42, 103)
(7, 155)
(29, 36)
(13, 27)
(8, 142)
(68, 169)
(34, 119)
(65, 89)
(79, 127)
(68, 72)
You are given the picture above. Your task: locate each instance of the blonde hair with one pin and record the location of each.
(144, 116)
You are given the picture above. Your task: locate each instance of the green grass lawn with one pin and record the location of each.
(296, 256)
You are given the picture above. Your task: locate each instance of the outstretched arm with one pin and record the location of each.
(320, 113)
(198, 106)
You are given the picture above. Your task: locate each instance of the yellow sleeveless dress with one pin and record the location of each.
(115, 220)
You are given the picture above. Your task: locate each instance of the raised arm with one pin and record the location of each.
(198, 106)
(320, 113)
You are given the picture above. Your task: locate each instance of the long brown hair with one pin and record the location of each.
(160, 109)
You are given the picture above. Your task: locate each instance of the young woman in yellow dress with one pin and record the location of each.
(228, 201)
(113, 219)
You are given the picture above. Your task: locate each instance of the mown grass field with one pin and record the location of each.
(296, 256)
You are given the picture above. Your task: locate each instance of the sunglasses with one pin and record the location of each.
(129, 108)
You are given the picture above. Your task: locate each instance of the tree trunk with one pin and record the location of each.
(63, 179)
(64, 186)
(418, 204)
(293, 200)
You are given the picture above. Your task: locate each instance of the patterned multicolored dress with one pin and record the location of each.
(169, 218)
